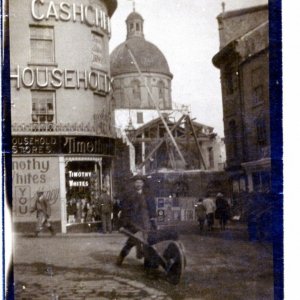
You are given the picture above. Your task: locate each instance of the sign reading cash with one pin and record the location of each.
(87, 14)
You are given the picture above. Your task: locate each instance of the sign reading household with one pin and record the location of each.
(44, 77)
(63, 145)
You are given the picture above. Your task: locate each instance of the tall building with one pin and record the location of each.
(62, 126)
(243, 60)
(133, 104)
(137, 100)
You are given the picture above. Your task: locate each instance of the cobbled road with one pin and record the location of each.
(220, 265)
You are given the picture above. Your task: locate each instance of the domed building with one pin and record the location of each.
(176, 170)
(133, 104)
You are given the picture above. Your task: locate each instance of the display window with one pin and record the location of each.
(82, 179)
(84, 182)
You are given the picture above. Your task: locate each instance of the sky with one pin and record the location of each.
(186, 31)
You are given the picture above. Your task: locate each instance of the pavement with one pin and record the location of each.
(220, 265)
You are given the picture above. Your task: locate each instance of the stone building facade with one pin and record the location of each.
(135, 109)
(63, 139)
(243, 60)
(133, 104)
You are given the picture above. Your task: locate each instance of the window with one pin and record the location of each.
(137, 26)
(211, 157)
(42, 44)
(257, 94)
(43, 106)
(261, 131)
(256, 77)
(233, 137)
(136, 91)
(131, 27)
(161, 90)
(257, 87)
(229, 78)
(261, 181)
(98, 50)
(140, 118)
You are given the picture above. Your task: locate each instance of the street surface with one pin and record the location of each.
(220, 265)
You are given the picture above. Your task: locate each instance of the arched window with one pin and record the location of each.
(161, 90)
(136, 89)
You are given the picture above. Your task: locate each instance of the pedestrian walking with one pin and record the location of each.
(222, 210)
(200, 211)
(138, 212)
(106, 210)
(210, 207)
(43, 213)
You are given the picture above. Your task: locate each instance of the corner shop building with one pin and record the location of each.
(62, 121)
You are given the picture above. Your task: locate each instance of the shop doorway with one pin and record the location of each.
(84, 182)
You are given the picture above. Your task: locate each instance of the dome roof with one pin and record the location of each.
(133, 16)
(149, 58)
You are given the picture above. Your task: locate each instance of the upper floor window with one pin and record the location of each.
(43, 106)
(257, 85)
(136, 90)
(261, 131)
(137, 26)
(233, 137)
(42, 44)
(161, 90)
(140, 117)
(229, 79)
(257, 94)
(211, 157)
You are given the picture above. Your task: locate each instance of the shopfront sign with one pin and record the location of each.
(91, 16)
(87, 145)
(79, 178)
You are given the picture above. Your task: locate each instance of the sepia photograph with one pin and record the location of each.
(142, 145)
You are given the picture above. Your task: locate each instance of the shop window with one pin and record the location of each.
(43, 103)
(211, 157)
(83, 191)
(42, 44)
(261, 131)
(136, 90)
(140, 118)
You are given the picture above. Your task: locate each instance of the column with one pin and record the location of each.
(62, 188)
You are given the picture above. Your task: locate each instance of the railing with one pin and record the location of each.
(104, 129)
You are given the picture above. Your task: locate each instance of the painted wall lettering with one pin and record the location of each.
(64, 11)
(30, 175)
(61, 145)
(44, 77)
(22, 195)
